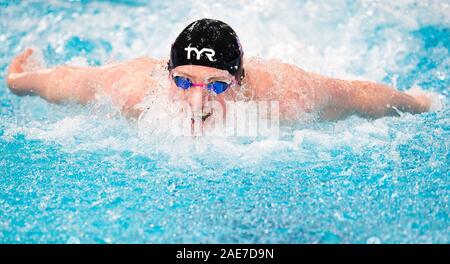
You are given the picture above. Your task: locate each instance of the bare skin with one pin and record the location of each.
(297, 91)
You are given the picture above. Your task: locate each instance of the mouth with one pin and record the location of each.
(203, 116)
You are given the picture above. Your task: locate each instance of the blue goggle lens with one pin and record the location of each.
(182, 82)
(218, 87)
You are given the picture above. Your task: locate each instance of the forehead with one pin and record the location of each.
(201, 71)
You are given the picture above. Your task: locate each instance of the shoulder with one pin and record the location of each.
(269, 69)
(140, 63)
(262, 74)
(269, 65)
(145, 62)
(297, 89)
(258, 72)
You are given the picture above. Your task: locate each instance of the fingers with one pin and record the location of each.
(26, 53)
(17, 62)
(423, 103)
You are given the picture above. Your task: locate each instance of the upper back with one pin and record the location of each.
(296, 90)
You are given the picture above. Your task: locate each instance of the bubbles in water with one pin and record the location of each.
(373, 240)
(73, 240)
(90, 160)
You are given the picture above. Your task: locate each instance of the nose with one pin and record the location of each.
(196, 98)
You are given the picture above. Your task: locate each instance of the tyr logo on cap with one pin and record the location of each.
(209, 53)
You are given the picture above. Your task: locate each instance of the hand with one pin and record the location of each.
(16, 66)
(17, 63)
(424, 102)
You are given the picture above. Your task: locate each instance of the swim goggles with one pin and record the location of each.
(217, 87)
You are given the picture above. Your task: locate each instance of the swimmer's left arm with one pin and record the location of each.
(369, 99)
(332, 98)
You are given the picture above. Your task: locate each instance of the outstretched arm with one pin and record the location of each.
(300, 91)
(56, 85)
(125, 83)
(369, 99)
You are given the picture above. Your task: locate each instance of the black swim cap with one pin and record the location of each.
(208, 42)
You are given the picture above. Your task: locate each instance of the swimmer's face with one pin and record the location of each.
(204, 104)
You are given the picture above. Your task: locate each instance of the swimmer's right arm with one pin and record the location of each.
(81, 84)
(56, 85)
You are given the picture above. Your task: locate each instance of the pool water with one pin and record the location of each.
(85, 174)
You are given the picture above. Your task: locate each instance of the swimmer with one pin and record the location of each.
(206, 63)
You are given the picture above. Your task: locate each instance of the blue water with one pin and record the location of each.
(83, 174)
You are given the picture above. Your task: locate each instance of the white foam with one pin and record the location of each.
(327, 37)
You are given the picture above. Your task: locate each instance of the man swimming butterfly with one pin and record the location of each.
(206, 63)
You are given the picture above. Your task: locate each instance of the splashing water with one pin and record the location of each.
(83, 174)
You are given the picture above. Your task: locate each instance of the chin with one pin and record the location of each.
(205, 125)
